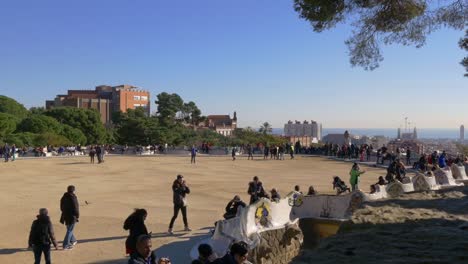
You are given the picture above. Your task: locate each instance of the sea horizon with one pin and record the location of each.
(423, 133)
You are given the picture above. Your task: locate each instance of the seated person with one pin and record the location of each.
(297, 189)
(237, 255)
(339, 185)
(311, 191)
(275, 196)
(390, 177)
(233, 207)
(205, 254)
(381, 181)
(144, 254)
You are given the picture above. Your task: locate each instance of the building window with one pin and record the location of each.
(144, 98)
(136, 97)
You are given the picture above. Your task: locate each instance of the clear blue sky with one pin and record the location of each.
(256, 57)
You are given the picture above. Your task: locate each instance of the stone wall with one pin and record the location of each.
(278, 246)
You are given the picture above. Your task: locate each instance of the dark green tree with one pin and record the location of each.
(8, 124)
(86, 120)
(168, 106)
(40, 124)
(405, 22)
(265, 128)
(464, 45)
(12, 107)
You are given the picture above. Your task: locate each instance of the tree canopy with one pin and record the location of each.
(86, 120)
(405, 22)
(12, 107)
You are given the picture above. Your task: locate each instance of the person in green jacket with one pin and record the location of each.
(355, 173)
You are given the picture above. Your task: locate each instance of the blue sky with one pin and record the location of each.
(255, 57)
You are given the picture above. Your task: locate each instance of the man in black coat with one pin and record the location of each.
(41, 236)
(70, 215)
(180, 190)
(233, 207)
(256, 190)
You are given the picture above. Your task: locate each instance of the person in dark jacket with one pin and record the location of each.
(311, 191)
(180, 190)
(41, 236)
(135, 223)
(144, 254)
(256, 190)
(237, 255)
(233, 207)
(275, 196)
(70, 216)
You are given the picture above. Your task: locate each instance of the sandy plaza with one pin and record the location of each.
(109, 192)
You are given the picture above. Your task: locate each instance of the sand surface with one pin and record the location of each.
(114, 188)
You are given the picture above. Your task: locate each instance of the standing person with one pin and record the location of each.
(355, 173)
(193, 154)
(180, 191)
(281, 152)
(368, 153)
(135, 223)
(250, 152)
(266, 151)
(443, 160)
(6, 152)
(233, 154)
(13, 152)
(98, 153)
(92, 153)
(70, 216)
(291, 151)
(408, 156)
(103, 151)
(41, 236)
(256, 190)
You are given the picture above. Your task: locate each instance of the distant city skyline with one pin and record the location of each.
(254, 57)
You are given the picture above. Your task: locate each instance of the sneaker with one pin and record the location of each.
(74, 243)
(170, 231)
(187, 229)
(68, 248)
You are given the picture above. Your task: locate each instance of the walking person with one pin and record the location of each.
(70, 216)
(13, 152)
(98, 153)
(135, 224)
(92, 154)
(6, 152)
(355, 173)
(180, 191)
(250, 152)
(233, 154)
(193, 154)
(41, 236)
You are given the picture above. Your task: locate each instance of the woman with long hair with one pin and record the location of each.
(135, 223)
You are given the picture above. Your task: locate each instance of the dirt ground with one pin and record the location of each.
(109, 192)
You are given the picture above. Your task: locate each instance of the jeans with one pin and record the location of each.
(38, 250)
(176, 213)
(69, 237)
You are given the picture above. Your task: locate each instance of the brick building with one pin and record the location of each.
(105, 99)
(222, 124)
